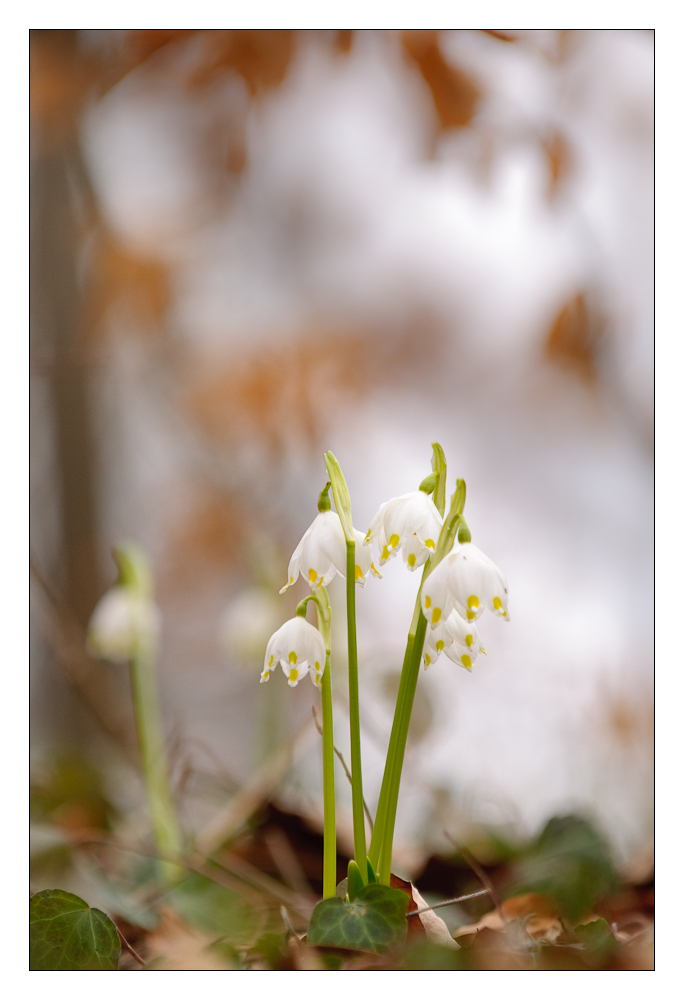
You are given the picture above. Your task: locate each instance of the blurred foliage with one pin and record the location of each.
(70, 794)
(570, 862)
(213, 907)
(564, 906)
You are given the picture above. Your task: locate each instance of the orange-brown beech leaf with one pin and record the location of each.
(141, 44)
(539, 914)
(343, 41)
(574, 338)
(454, 94)
(285, 392)
(123, 277)
(261, 57)
(61, 79)
(502, 36)
(214, 534)
(559, 160)
(426, 925)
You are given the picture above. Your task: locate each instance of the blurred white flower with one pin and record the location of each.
(468, 581)
(299, 648)
(411, 523)
(123, 623)
(246, 625)
(322, 553)
(456, 638)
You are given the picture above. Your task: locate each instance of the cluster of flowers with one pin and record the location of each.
(453, 596)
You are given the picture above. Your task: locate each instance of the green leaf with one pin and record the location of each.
(67, 934)
(571, 863)
(354, 880)
(375, 921)
(598, 939)
(215, 908)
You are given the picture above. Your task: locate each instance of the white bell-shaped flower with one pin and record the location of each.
(466, 581)
(300, 650)
(410, 523)
(322, 554)
(123, 624)
(456, 638)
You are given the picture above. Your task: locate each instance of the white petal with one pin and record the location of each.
(272, 655)
(363, 560)
(330, 538)
(436, 600)
(414, 552)
(462, 631)
(475, 583)
(376, 523)
(294, 672)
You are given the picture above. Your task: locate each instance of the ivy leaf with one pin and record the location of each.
(375, 921)
(67, 934)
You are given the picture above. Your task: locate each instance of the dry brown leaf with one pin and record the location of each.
(122, 276)
(574, 338)
(559, 160)
(539, 914)
(261, 57)
(175, 946)
(454, 94)
(426, 925)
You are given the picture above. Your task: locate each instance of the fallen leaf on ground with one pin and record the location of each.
(428, 924)
(173, 946)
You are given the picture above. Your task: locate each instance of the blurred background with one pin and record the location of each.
(251, 246)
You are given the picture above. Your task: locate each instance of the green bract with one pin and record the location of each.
(341, 495)
(68, 935)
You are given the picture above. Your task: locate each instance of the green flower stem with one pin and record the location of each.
(380, 852)
(329, 834)
(151, 738)
(343, 505)
(354, 726)
(409, 679)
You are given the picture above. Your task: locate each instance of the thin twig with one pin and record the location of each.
(232, 865)
(341, 759)
(130, 948)
(475, 865)
(449, 902)
(287, 862)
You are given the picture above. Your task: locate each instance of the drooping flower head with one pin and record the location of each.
(466, 581)
(456, 638)
(121, 625)
(410, 524)
(126, 621)
(322, 551)
(300, 650)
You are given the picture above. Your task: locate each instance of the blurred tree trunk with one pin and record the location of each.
(59, 200)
